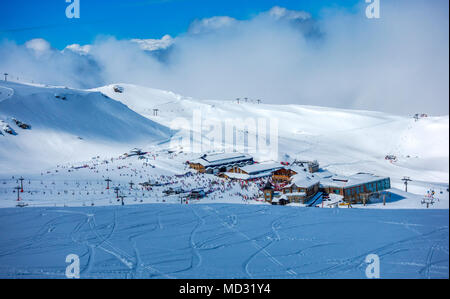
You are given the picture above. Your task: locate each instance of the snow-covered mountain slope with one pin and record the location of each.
(67, 124)
(143, 100)
(344, 141)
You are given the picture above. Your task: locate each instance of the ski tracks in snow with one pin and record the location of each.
(5, 93)
(386, 250)
(131, 262)
(254, 242)
(264, 248)
(195, 250)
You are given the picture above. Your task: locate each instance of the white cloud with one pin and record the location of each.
(38, 45)
(398, 63)
(211, 24)
(154, 44)
(278, 12)
(76, 48)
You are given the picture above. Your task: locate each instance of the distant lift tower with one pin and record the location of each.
(406, 180)
(18, 192)
(108, 180)
(116, 190)
(21, 183)
(6, 76)
(121, 198)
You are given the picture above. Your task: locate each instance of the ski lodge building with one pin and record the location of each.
(285, 174)
(254, 171)
(301, 188)
(298, 182)
(216, 163)
(356, 187)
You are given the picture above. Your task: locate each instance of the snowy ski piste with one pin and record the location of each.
(66, 188)
(222, 241)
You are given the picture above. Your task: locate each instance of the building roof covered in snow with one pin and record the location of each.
(303, 181)
(257, 168)
(323, 174)
(222, 159)
(297, 168)
(244, 176)
(351, 181)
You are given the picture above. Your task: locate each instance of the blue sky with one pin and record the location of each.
(23, 20)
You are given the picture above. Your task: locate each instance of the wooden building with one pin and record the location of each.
(301, 188)
(216, 163)
(285, 174)
(357, 187)
(252, 172)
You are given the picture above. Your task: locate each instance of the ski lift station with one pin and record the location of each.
(354, 188)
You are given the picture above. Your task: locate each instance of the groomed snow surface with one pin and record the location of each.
(222, 241)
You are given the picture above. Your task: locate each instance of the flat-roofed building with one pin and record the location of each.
(254, 171)
(215, 163)
(355, 187)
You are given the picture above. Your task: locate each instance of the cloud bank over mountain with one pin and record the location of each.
(398, 63)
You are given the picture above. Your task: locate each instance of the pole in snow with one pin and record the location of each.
(21, 183)
(116, 190)
(18, 192)
(406, 180)
(107, 183)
